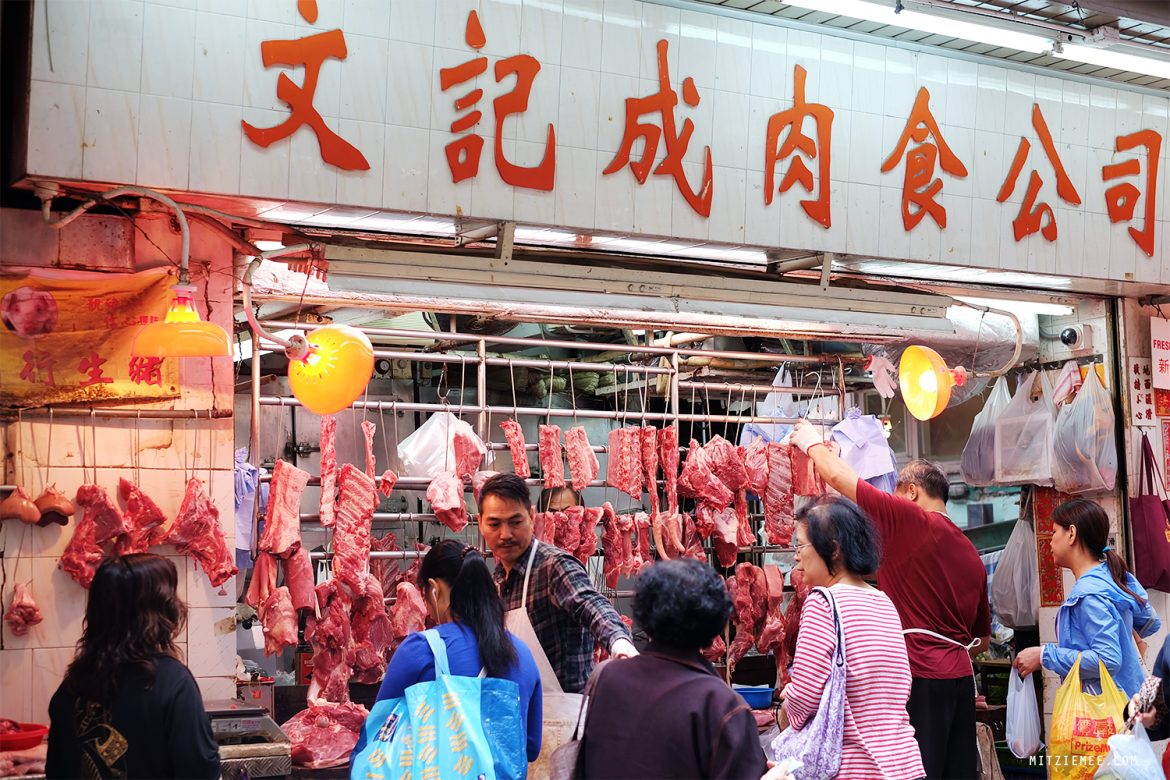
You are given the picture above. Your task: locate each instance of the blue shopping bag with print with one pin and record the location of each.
(450, 728)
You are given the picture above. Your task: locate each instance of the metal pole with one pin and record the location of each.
(144, 414)
(254, 439)
(481, 390)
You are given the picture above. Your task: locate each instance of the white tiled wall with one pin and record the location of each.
(142, 91)
(159, 455)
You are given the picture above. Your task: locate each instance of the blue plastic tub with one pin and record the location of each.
(758, 697)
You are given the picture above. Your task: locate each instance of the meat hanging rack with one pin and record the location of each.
(679, 379)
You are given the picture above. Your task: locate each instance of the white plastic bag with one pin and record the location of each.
(775, 404)
(1131, 757)
(430, 450)
(1015, 586)
(1023, 718)
(1084, 448)
(978, 461)
(1023, 435)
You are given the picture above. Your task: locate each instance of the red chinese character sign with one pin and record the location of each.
(1160, 352)
(663, 103)
(817, 148)
(1037, 218)
(464, 152)
(67, 339)
(919, 187)
(309, 53)
(1122, 198)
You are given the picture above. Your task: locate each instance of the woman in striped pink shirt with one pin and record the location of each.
(836, 547)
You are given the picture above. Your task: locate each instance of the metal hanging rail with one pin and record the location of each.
(117, 412)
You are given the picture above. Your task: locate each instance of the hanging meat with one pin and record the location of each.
(749, 595)
(263, 581)
(146, 523)
(19, 506)
(583, 465)
(196, 534)
(282, 521)
(588, 545)
(107, 521)
(567, 528)
(514, 435)
(300, 578)
(800, 591)
(54, 506)
(372, 634)
(668, 531)
(368, 429)
(351, 535)
(612, 545)
(445, 495)
(552, 461)
(698, 481)
(723, 459)
(779, 517)
(722, 528)
(469, 452)
(692, 541)
(328, 469)
(624, 468)
(387, 482)
(331, 638)
(82, 555)
(668, 458)
(479, 480)
(407, 615)
(755, 462)
(642, 555)
(716, 651)
(22, 612)
(648, 446)
(278, 619)
(387, 570)
(804, 475)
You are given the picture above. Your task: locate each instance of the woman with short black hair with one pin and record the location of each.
(666, 713)
(128, 707)
(836, 548)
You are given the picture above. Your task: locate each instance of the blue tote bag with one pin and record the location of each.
(451, 728)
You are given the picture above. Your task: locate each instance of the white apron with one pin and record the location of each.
(560, 709)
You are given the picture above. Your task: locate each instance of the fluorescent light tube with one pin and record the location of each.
(1114, 58)
(937, 25)
(1020, 307)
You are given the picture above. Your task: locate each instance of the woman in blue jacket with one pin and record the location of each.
(462, 598)
(1103, 610)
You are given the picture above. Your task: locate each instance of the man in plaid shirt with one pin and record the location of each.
(566, 611)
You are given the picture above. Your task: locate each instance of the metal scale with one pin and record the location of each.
(250, 743)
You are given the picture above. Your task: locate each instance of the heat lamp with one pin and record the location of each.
(926, 381)
(182, 333)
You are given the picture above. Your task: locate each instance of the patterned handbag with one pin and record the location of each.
(818, 745)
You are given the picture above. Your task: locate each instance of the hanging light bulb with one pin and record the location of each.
(331, 368)
(181, 333)
(926, 381)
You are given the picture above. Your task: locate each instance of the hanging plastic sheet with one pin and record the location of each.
(864, 448)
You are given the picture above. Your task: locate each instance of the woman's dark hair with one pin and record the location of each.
(834, 523)
(681, 603)
(508, 487)
(548, 494)
(1092, 526)
(133, 615)
(474, 600)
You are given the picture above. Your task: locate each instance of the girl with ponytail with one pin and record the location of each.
(462, 599)
(1105, 609)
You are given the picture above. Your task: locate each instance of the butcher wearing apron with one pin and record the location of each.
(560, 708)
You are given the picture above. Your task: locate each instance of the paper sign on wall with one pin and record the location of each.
(1141, 392)
(1160, 351)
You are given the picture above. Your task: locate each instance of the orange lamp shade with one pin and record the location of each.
(335, 372)
(182, 333)
(926, 381)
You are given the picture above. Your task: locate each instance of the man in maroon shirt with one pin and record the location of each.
(934, 576)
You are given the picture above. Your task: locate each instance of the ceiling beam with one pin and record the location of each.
(1149, 11)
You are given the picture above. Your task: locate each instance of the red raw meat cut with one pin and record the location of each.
(545, 527)
(722, 457)
(331, 638)
(668, 457)
(588, 544)
(716, 651)
(749, 595)
(692, 542)
(630, 559)
(408, 614)
(445, 495)
(567, 525)
(612, 548)
(387, 570)
(642, 555)
(351, 535)
(800, 591)
(368, 429)
(301, 579)
(514, 435)
(22, 613)
(771, 639)
(196, 534)
(779, 518)
(372, 634)
(744, 535)
(552, 461)
(648, 443)
(740, 646)
(602, 654)
(323, 736)
(146, 522)
(105, 518)
(699, 482)
(469, 452)
(263, 580)
(282, 520)
(82, 555)
(328, 469)
(624, 467)
(479, 480)
(804, 475)
(668, 535)
(279, 621)
(724, 531)
(583, 465)
(755, 462)
(387, 482)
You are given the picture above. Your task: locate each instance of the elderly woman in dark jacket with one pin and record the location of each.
(665, 713)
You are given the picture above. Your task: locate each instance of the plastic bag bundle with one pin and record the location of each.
(1023, 717)
(1084, 448)
(1023, 435)
(1131, 757)
(978, 461)
(1015, 587)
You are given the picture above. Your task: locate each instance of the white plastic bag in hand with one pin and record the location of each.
(1131, 757)
(978, 461)
(1015, 586)
(1023, 718)
(430, 450)
(1084, 448)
